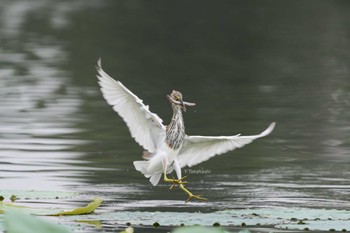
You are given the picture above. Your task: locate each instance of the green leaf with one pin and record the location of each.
(81, 210)
(96, 223)
(16, 222)
(4, 207)
(9, 206)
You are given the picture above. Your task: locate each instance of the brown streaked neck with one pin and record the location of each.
(175, 131)
(177, 114)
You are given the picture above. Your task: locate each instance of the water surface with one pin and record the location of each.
(245, 64)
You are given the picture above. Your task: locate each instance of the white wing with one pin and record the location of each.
(198, 149)
(145, 126)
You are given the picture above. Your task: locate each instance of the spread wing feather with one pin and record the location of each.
(198, 149)
(145, 126)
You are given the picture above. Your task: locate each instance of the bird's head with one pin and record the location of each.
(176, 98)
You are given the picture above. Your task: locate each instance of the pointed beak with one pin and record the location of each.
(188, 104)
(182, 103)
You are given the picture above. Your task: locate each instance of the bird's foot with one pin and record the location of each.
(175, 181)
(178, 182)
(191, 195)
(199, 197)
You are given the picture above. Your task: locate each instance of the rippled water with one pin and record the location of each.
(244, 64)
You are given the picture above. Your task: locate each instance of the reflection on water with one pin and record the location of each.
(37, 109)
(57, 132)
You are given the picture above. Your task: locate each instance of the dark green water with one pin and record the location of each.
(244, 63)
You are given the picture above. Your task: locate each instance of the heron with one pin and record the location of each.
(166, 148)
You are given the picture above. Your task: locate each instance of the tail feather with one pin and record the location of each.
(142, 166)
(155, 179)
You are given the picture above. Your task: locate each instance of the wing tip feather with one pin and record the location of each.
(268, 130)
(99, 66)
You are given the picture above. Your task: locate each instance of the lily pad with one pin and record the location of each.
(81, 210)
(16, 222)
(9, 206)
(320, 225)
(5, 207)
(95, 223)
(281, 218)
(31, 194)
(22, 211)
(128, 230)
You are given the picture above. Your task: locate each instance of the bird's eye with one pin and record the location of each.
(177, 97)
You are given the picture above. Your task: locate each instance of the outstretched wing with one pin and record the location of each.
(198, 149)
(145, 126)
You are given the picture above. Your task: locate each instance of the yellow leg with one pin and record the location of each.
(191, 195)
(174, 181)
(181, 183)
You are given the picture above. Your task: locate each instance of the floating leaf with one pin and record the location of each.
(4, 207)
(320, 225)
(128, 230)
(31, 194)
(16, 222)
(81, 210)
(9, 206)
(96, 223)
(282, 218)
